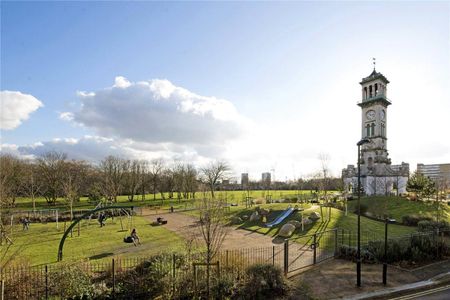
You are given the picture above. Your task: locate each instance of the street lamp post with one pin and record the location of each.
(358, 255)
(386, 222)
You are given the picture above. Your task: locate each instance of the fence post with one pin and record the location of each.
(286, 257)
(113, 267)
(315, 246)
(173, 275)
(335, 241)
(3, 290)
(273, 255)
(226, 259)
(46, 282)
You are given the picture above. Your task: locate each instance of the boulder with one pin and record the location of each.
(255, 217)
(236, 220)
(259, 201)
(314, 216)
(307, 221)
(244, 217)
(296, 223)
(264, 212)
(287, 230)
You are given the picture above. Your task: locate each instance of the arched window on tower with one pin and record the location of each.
(372, 131)
(367, 130)
(365, 92)
(376, 89)
(370, 91)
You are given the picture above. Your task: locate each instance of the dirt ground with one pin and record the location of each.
(187, 227)
(336, 279)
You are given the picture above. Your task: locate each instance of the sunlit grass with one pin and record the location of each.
(40, 243)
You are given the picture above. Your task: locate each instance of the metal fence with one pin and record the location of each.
(47, 281)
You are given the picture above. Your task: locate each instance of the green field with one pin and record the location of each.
(39, 244)
(23, 203)
(337, 220)
(397, 207)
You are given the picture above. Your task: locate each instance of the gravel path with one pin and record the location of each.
(187, 226)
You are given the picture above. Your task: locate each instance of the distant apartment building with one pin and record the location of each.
(266, 178)
(435, 171)
(244, 179)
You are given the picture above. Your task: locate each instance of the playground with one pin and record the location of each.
(253, 223)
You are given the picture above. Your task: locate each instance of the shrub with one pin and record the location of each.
(71, 281)
(413, 220)
(363, 209)
(433, 225)
(263, 281)
(351, 253)
(150, 279)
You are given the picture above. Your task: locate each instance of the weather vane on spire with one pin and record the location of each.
(374, 62)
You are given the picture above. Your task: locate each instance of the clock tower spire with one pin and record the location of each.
(378, 176)
(374, 104)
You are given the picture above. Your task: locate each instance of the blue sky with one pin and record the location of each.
(291, 71)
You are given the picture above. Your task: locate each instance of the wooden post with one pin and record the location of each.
(315, 247)
(46, 282)
(113, 267)
(286, 257)
(57, 224)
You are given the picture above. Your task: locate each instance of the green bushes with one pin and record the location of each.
(262, 281)
(413, 220)
(71, 281)
(350, 253)
(433, 225)
(417, 248)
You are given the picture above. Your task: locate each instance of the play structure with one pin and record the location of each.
(86, 216)
(282, 216)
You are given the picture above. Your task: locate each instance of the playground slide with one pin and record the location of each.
(281, 217)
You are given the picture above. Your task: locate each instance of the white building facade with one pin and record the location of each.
(378, 176)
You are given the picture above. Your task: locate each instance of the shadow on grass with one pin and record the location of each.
(101, 255)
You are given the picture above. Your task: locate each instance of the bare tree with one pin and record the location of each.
(11, 170)
(132, 178)
(213, 173)
(51, 166)
(74, 174)
(155, 169)
(213, 230)
(112, 171)
(31, 185)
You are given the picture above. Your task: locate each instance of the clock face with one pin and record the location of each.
(382, 115)
(370, 115)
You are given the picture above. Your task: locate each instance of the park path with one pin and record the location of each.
(187, 227)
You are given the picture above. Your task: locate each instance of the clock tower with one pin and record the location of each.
(378, 176)
(374, 106)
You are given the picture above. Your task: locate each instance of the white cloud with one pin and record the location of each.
(157, 112)
(121, 82)
(95, 148)
(66, 116)
(16, 107)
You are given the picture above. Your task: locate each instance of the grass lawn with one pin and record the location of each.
(370, 228)
(397, 207)
(23, 203)
(40, 243)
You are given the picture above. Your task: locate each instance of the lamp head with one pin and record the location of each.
(363, 141)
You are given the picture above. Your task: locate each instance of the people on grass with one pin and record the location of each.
(101, 219)
(135, 237)
(25, 223)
